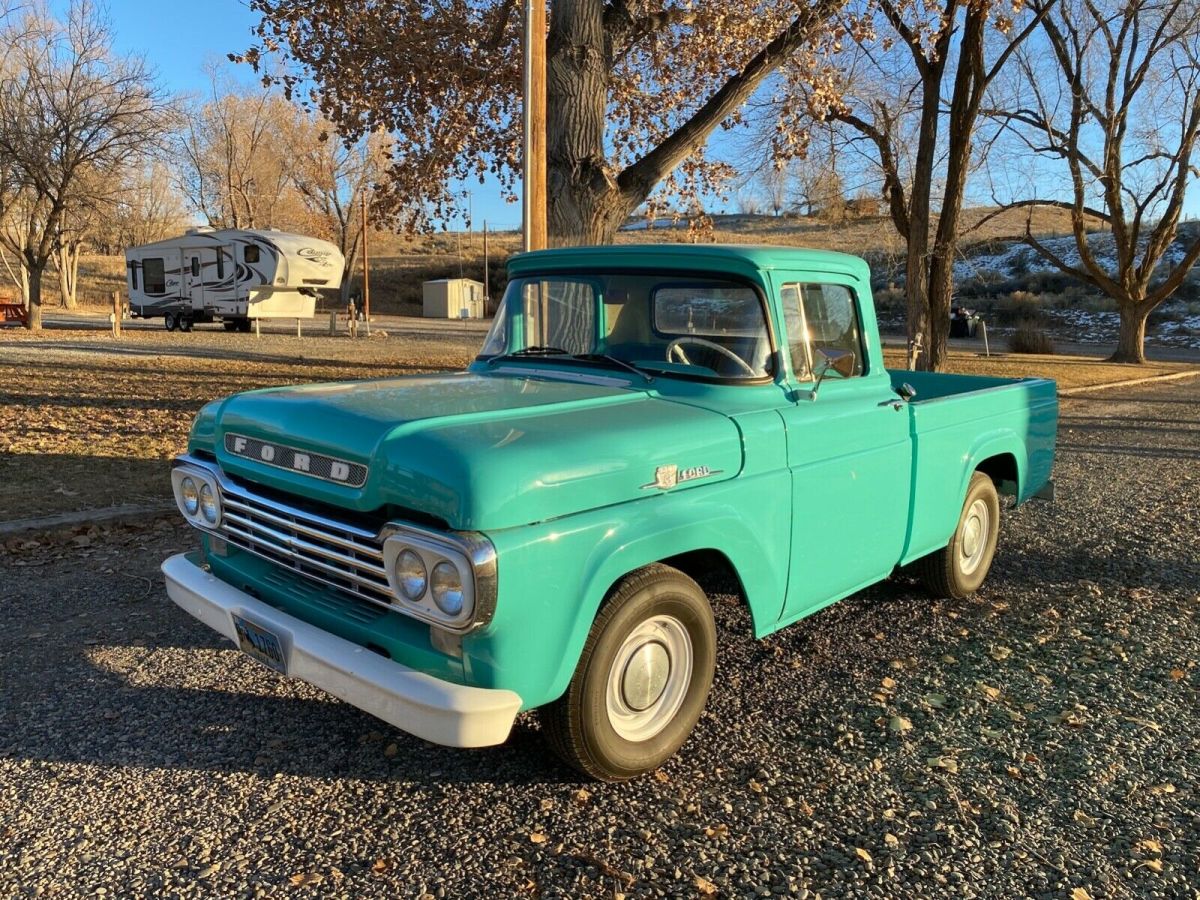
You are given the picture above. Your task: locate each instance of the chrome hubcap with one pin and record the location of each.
(649, 678)
(974, 540)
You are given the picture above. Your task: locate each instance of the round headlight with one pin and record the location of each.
(208, 504)
(447, 588)
(191, 497)
(411, 576)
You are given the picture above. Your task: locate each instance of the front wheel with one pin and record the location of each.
(959, 568)
(642, 679)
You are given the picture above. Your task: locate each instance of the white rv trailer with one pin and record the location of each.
(230, 274)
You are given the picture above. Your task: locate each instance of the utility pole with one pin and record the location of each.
(366, 268)
(533, 161)
(487, 293)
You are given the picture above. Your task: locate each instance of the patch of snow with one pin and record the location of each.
(1018, 258)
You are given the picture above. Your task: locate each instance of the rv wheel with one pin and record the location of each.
(185, 324)
(170, 321)
(244, 326)
(230, 325)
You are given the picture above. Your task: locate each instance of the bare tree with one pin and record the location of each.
(236, 156)
(1118, 102)
(74, 107)
(928, 75)
(333, 179)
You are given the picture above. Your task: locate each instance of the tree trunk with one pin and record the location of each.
(916, 284)
(1131, 339)
(941, 293)
(35, 299)
(585, 205)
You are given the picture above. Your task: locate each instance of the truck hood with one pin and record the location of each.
(475, 451)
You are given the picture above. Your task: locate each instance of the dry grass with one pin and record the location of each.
(1067, 371)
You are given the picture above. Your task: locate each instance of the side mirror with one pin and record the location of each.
(840, 361)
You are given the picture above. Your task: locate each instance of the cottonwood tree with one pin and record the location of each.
(70, 106)
(1116, 100)
(635, 89)
(333, 179)
(922, 70)
(236, 158)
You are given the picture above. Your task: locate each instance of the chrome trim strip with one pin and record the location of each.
(233, 501)
(247, 520)
(288, 541)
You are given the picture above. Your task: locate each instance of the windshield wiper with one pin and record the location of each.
(605, 357)
(535, 350)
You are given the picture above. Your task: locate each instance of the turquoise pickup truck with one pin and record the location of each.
(538, 531)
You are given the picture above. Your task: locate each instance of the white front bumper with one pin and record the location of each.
(439, 711)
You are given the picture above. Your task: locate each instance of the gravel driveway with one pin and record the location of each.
(1039, 740)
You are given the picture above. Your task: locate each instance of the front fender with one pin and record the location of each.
(554, 576)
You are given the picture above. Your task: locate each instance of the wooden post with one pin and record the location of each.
(116, 298)
(366, 270)
(533, 162)
(487, 293)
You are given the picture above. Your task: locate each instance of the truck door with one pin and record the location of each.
(848, 450)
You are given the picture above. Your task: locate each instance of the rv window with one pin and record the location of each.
(195, 266)
(250, 254)
(133, 269)
(154, 276)
(220, 263)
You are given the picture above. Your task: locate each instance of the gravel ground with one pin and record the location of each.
(1040, 740)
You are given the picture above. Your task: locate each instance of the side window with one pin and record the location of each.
(220, 263)
(154, 275)
(820, 317)
(195, 266)
(797, 332)
(250, 254)
(133, 273)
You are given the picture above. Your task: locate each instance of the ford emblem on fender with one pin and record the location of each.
(282, 457)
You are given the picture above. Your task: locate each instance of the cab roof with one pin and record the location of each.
(739, 258)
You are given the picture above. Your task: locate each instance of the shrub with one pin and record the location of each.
(1021, 308)
(1030, 338)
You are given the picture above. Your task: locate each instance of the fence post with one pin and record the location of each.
(116, 313)
(983, 331)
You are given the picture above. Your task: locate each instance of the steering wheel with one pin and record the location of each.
(675, 348)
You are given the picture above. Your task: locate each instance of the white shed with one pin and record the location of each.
(452, 298)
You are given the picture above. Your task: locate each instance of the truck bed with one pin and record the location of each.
(1007, 424)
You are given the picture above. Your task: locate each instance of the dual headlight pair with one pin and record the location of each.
(197, 497)
(435, 582)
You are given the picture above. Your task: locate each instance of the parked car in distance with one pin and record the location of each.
(538, 531)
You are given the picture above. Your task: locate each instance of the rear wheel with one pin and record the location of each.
(642, 679)
(230, 325)
(244, 326)
(185, 324)
(171, 321)
(959, 568)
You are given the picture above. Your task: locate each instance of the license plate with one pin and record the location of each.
(260, 644)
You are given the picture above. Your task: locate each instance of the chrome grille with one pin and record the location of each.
(333, 553)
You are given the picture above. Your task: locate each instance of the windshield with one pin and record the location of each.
(662, 323)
